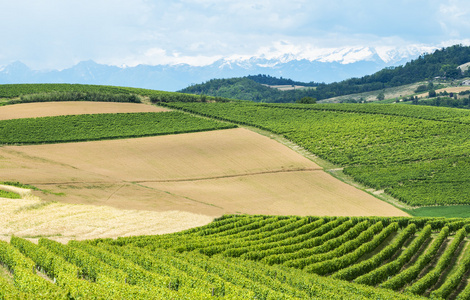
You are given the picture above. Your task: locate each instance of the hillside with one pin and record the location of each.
(250, 88)
(132, 160)
(252, 257)
(443, 63)
(418, 155)
(165, 160)
(270, 80)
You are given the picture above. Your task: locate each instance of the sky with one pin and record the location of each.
(57, 34)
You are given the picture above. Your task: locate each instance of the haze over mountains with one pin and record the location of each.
(327, 66)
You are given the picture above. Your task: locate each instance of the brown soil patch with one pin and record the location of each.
(285, 193)
(49, 109)
(161, 158)
(455, 89)
(210, 173)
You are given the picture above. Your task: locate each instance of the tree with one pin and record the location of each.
(421, 88)
(381, 96)
(432, 93)
(307, 100)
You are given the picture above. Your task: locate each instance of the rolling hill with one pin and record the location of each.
(417, 154)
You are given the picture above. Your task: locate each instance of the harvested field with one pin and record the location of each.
(210, 173)
(389, 93)
(300, 193)
(452, 89)
(50, 109)
(161, 158)
(33, 218)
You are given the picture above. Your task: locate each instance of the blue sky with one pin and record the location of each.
(50, 34)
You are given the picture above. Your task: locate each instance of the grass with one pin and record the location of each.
(10, 195)
(5, 274)
(453, 211)
(23, 186)
(390, 94)
(20, 185)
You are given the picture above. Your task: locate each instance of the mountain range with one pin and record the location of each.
(446, 63)
(328, 66)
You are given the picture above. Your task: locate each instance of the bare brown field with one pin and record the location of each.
(209, 173)
(285, 193)
(389, 93)
(163, 158)
(452, 89)
(50, 109)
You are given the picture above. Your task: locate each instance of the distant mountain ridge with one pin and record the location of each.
(327, 66)
(444, 62)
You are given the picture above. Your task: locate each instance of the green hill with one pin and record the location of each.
(270, 80)
(417, 154)
(443, 63)
(246, 88)
(23, 93)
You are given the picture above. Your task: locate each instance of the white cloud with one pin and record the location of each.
(58, 34)
(455, 18)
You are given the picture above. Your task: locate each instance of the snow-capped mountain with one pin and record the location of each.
(300, 64)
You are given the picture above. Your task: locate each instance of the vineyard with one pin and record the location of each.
(419, 155)
(75, 128)
(252, 257)
(416, 154)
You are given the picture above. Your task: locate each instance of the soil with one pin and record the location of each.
(210, 173)
(49, 109)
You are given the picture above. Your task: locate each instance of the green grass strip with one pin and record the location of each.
(10, 195)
